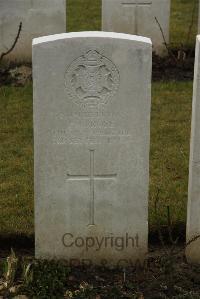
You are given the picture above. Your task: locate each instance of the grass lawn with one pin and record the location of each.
(16, 160)
(181, 22)
(170, 129)
(83, 15)
(170, 137)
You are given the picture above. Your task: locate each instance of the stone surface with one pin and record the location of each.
(199, 19)
(91, 134)
(193, 211)
(138, 17)
(38, 17)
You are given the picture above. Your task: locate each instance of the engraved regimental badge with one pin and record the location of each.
(92, 79)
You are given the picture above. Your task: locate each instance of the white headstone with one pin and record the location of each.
(193, 212)
(199, 19)
(92, 95)
(138, 17)
(38, 17)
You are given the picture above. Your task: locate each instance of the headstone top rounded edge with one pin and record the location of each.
(87, 34)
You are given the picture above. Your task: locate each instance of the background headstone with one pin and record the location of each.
(193, 212)
(199, 19)
(92, 94)
(38, 17)
(138, 17)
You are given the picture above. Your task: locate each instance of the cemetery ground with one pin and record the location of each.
(170, 130)
(166, 273)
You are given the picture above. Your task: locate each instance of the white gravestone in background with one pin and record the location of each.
(193, 212)
(138, 17)
(38, 17)
(199, 19)
(91, 133)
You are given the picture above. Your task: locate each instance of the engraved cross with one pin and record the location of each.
(136, 4)
(92, 177)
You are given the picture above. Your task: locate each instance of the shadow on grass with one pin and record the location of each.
(17, 241)
(27, 242)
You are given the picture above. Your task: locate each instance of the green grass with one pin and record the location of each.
(181, 21)
(170, 129)
(83, 15)
(16, 160)
(170, 135)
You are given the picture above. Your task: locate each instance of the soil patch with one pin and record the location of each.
(161, 276)
(15, 75)
(179, 66)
